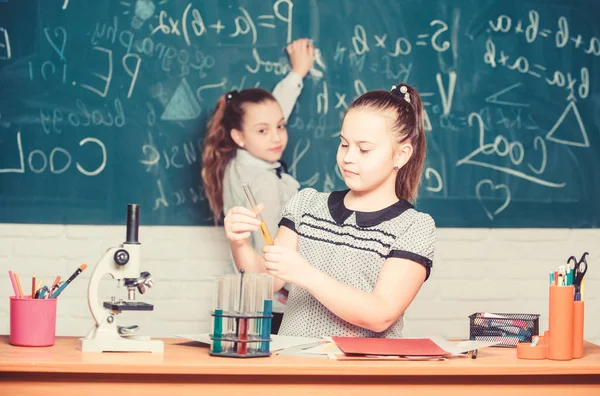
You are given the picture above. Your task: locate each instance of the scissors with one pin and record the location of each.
(580, 268)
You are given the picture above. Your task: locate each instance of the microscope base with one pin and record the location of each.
(105, 338)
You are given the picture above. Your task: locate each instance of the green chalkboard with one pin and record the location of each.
(104, 103)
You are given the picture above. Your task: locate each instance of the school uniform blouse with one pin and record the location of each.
(351, 247)
(271, 186)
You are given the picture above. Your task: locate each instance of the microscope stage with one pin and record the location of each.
(128, 306)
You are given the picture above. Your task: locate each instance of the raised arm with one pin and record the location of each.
(301, 53)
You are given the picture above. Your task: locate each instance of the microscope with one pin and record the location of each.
(123, 264)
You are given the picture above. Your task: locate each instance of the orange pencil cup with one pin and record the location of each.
(560, 346)
(32, 321)
(578, 314)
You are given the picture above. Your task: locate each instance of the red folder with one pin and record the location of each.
(389, 346)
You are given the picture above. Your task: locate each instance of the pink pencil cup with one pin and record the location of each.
(32, 321)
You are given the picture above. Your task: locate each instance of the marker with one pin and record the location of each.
(62, 287)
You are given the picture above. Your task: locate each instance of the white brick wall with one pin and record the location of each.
(494, 270)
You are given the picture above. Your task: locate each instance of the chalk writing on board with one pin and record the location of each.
(523, 65)
(190, 24)
(219, 85)
(177, 197)
(176, 156)
(562, 35)
(484, 199)
(82, 117)
(435, 180)
(402, 45)
(4, 44)
(58, 160)
(501, 147)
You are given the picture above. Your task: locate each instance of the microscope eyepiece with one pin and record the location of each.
(133, 223)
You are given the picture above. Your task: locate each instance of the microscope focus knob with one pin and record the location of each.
(121, 257)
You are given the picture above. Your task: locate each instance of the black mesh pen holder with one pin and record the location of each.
(506, 328)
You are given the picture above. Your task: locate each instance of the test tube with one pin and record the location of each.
(241, 328)
(218, 297)
(263, 226)
(233, 285)
(267, 292)
(247, 311)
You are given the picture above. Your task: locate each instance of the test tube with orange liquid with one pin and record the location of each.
(263, 226)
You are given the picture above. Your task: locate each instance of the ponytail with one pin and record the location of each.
(409, 176)
(218, 149)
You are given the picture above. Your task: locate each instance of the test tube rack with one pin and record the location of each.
(244, 344)
(242, 315)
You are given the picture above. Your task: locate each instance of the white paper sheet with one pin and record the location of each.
(278, 341)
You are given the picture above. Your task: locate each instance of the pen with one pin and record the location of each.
(33, 286)
(64, 285)
(14, 284)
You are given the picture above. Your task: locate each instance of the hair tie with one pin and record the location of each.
(229, 96)
(402, 91)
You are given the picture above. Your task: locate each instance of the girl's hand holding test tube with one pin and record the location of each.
(240, 222)
(288, 265)
(280, 261)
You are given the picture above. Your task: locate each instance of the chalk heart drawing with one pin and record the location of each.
(488, 184)
(58, 32)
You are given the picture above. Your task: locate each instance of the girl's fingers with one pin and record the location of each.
(242, 219)
(272, 257)
(272, 249)
(237, 237)
(240, 210)
(271, 267)
(242, 227)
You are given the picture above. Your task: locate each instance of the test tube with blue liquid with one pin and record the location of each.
(219, 304)
(266, 292)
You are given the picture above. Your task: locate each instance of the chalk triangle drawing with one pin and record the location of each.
(494, 97)
(564, 131)
(183, 104)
